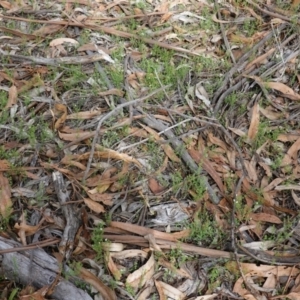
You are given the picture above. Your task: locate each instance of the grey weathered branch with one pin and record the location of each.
(39, 270)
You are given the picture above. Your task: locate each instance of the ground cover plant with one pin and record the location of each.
(149, 149)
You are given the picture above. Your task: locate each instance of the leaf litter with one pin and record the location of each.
(172, 127)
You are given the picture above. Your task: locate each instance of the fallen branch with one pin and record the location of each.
(40, 271)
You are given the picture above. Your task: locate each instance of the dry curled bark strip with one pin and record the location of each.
(39, 271)
(72, 220)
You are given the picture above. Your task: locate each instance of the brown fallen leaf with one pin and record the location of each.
(6, 4)
(155, 187)
(253, 129)
(85, 115)
(199, 158)
(12, 97)
(295, 3)
(48, 29)
(112, 154)
(291, 154)
(283, 88)
(264, 217)
(94, 206)
(269, 113)
(5, 195)
(104, 198)
(105, 291)
(113, 267)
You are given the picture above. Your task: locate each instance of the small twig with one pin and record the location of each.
(31, 246)
(107, 116)
(224, 34)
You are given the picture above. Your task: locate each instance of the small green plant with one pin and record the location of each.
(214, 277)
(73, 272)
(97, 241)
(13, 294)
(242, 210)
(231, 99)
(195, 183)
(156, 153)
(281, 235)
(5, 218)
(177, 257)
(265, 133)
(116, 74)
(130, 289)
(218, 274)
(109, 138)
(205, 231)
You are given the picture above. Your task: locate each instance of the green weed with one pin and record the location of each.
(97, 241)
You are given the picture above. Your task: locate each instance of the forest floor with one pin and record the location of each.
(149, 149)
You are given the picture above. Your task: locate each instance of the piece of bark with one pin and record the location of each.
(72, 219)
(39, 271)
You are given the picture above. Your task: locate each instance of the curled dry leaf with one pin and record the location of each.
(129, 254)
(113, 267)
(61, 109)
(60, 41)
(12, 96)
(138, 278)
(207, 297)
(105, 291)
(165, 291)
(113, 247)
